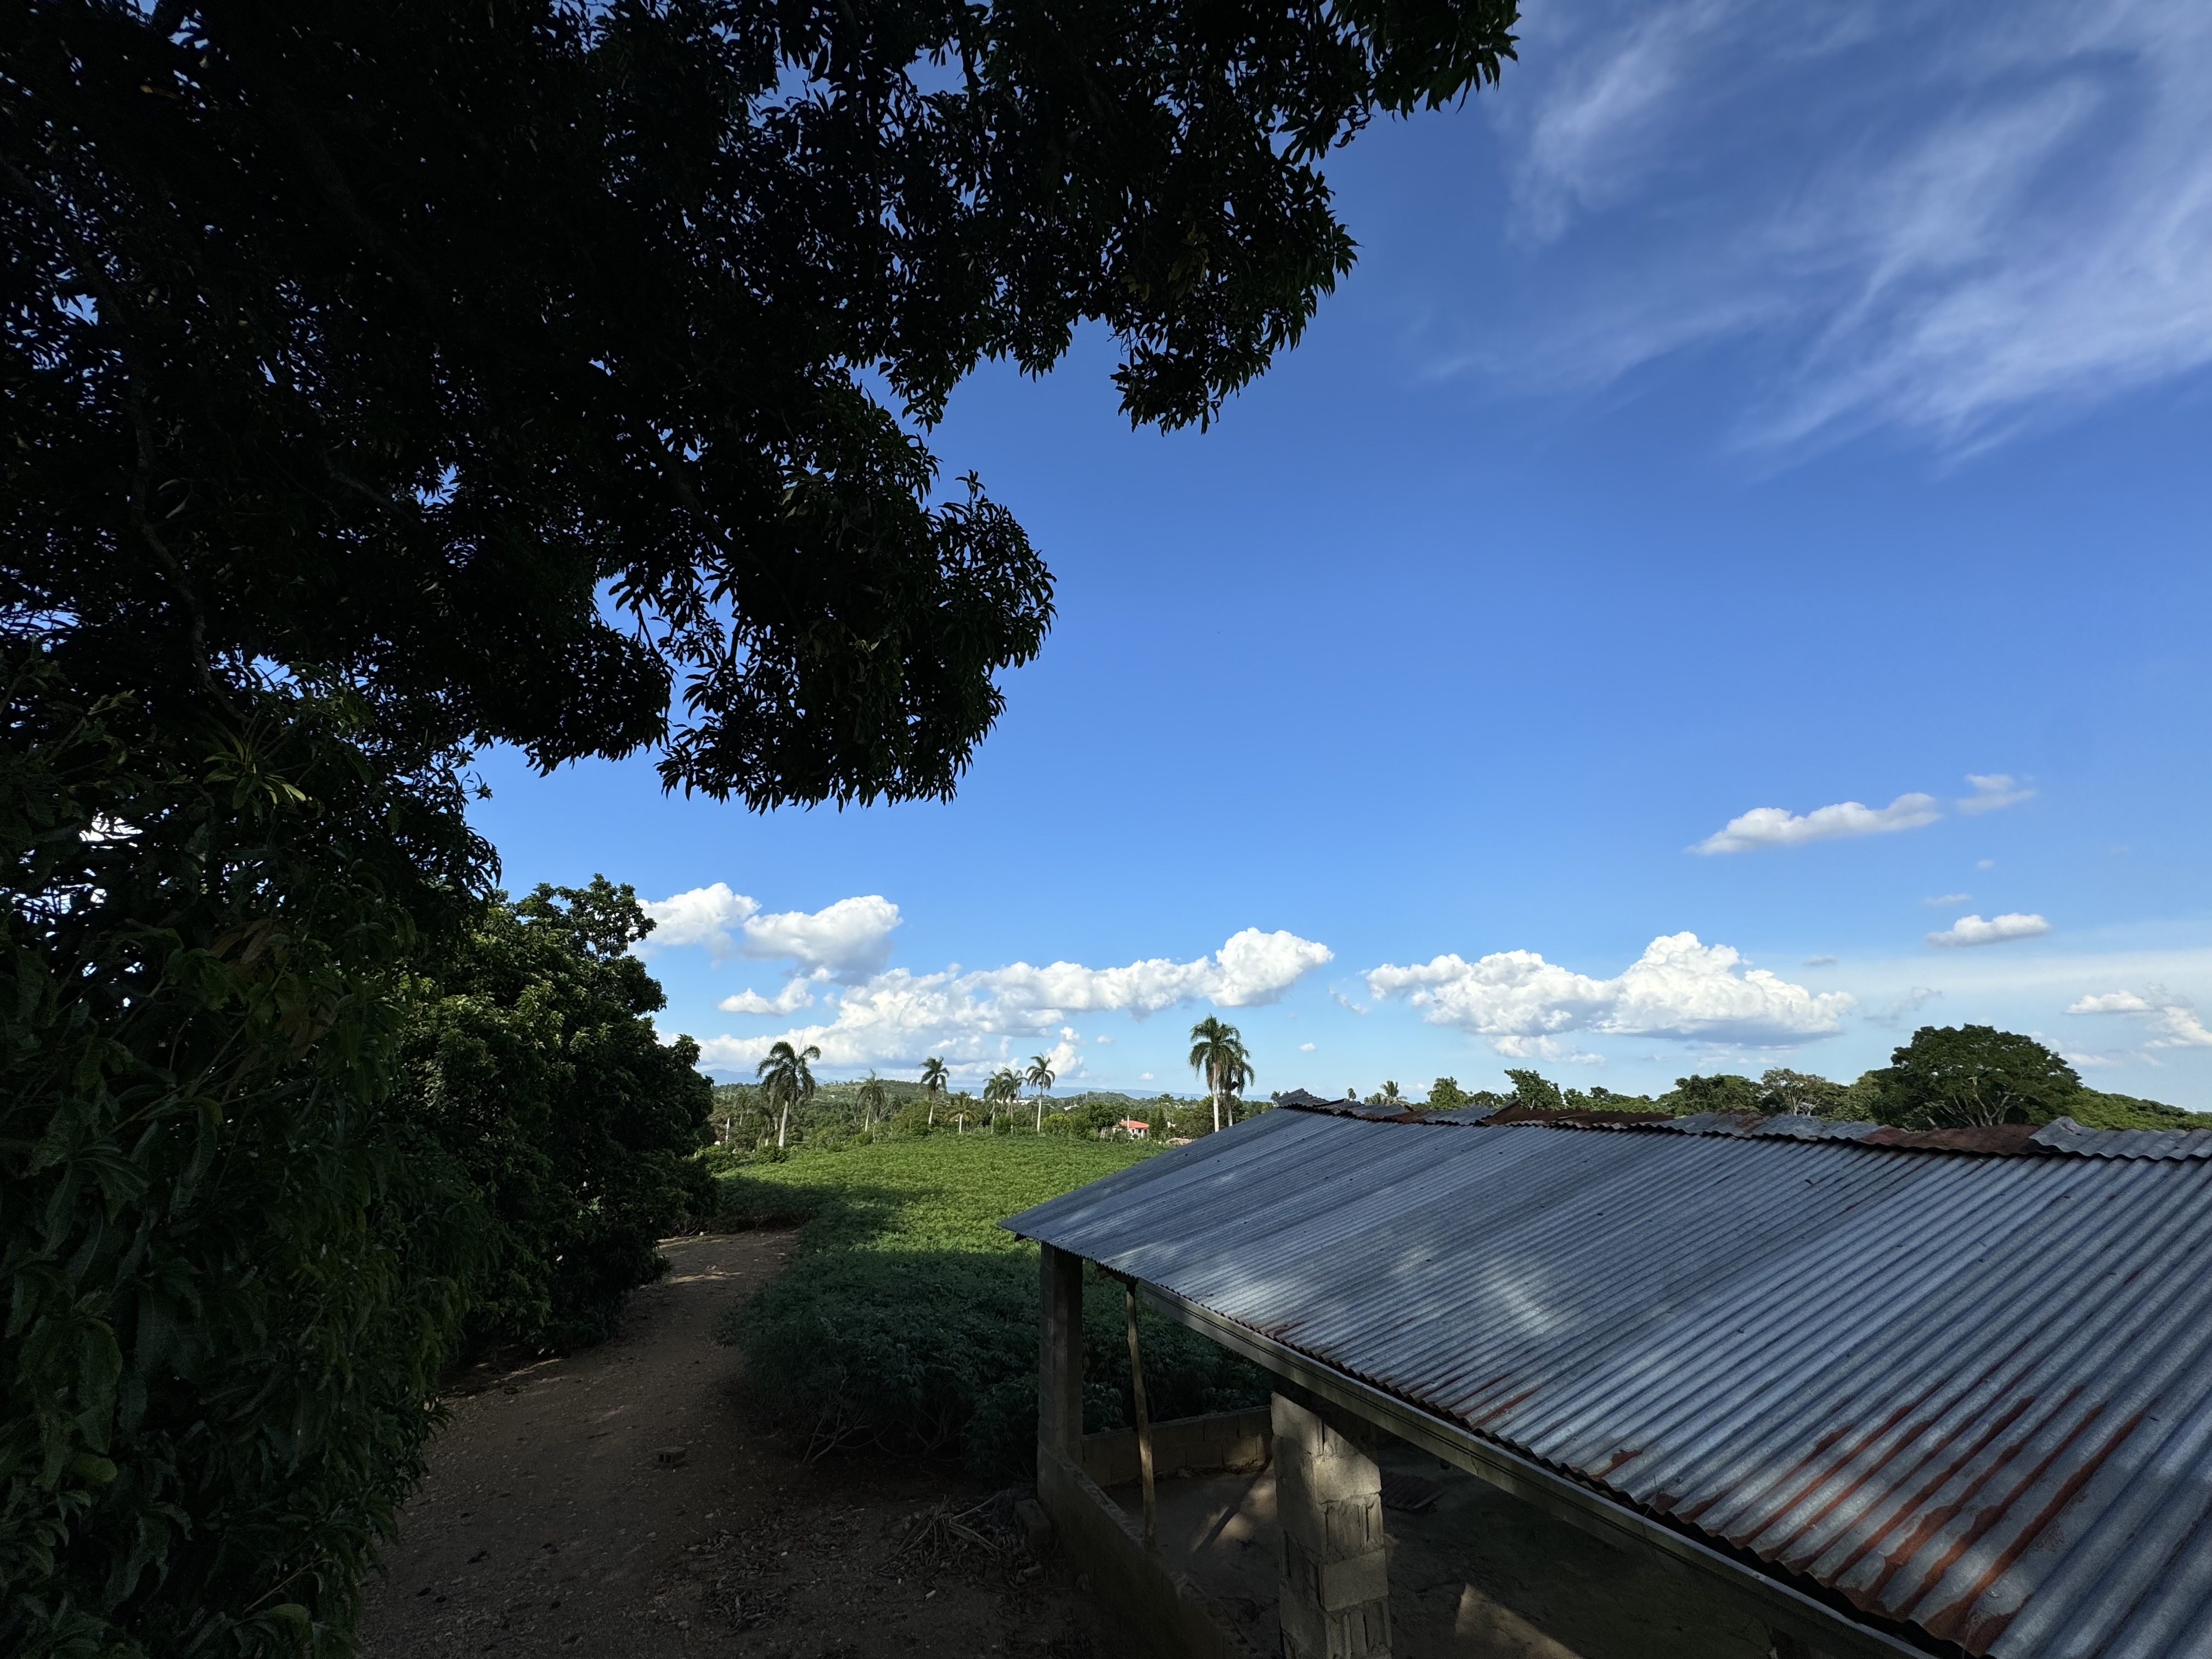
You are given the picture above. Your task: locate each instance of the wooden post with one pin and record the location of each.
(1144, 1421)
(1059, 1355)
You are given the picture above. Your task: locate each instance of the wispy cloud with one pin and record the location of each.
(1972, 930)
(1951, 222)
(1903, 1010)
(2172, 1021)
(1776, 826)
(1679, 988)
(1943, 900)
(1992, 791)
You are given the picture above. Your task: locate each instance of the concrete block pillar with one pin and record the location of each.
(1336, 1568)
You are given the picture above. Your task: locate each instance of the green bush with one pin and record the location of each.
(908, 1317)
(235, 1271)
(532, 1060)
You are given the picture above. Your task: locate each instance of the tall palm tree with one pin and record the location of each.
(871, 1100)
(935, 1080)
(1218, 1054)
(787, 1082)
(1040, 1078)
(1003, 1086)
(1390, 1096)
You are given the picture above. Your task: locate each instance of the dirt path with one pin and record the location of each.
(559, 1518)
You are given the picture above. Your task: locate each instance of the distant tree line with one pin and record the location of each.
(1946, 1077)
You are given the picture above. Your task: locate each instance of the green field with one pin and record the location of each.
(907, 1320)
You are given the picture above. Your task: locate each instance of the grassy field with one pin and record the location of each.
(908, 1317)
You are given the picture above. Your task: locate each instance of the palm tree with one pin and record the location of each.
(785, 1081)
(1390, 1096)
(935, 1080)
(1218, 1054)
(871, 1100)
(1040, 1078)
(1003, 1086)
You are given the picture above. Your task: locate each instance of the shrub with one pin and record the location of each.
(908, 1317)
(533, 1061)
(235, 1271)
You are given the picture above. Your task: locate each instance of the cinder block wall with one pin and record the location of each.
(1225, 1440)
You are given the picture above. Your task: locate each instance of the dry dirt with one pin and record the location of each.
(561, 1518)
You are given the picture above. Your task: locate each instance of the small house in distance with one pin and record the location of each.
(1873, 1392)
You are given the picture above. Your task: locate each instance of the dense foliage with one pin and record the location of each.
(234, 1272)
(387, 336)
(908, 1316)
(385, 379)
(1946, 1077)
(532, 1060)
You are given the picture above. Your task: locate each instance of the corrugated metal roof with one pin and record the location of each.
(1970, 1393)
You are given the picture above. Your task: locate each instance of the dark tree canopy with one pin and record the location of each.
(533, 367)
(1953, 1075)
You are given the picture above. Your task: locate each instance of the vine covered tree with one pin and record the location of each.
(787, 1081)
(1218, 1054)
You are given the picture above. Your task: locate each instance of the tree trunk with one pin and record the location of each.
(782, 1124)
(1217, 1109)
(1040, 1127)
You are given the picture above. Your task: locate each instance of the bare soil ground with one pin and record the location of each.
(623, 1501)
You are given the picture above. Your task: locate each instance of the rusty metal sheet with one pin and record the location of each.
(1971, 1393)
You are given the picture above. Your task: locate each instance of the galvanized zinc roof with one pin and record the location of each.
(1969, 1393)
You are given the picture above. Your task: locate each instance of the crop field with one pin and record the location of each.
(907, 1320)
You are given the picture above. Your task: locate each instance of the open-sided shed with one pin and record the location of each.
(1946, 1393)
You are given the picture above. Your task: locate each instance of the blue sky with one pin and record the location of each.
(1742, 411)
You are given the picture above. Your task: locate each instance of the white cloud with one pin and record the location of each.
(1776, 826)
(1305, 1047)
(1972, 930)
(1985, 864)
(1925, 221)
(849, 940)
(1992, 791)
(1941, 899)
(975, 1020)
(1679, 987)
(704, 915)
(2174, 1022)
(1820, 962)
(796, 994)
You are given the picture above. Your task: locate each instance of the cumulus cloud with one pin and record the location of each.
(1679, 987)
(1972, 930)
(797, 994)
(1776, 826)
(1920, 220)
(2172, 1020)
(1305, 1047)
(1992, 791)
(974, 1020)
(848, 940)
(709, 917)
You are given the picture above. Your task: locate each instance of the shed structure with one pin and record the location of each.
(1946, 1393)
